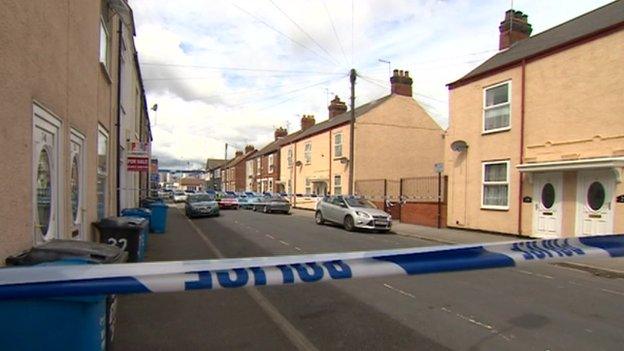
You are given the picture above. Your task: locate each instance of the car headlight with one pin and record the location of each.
(362, 214)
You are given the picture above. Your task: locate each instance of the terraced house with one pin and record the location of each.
(263, 168)
(395, 139)
(73, 94)
(234, 171)
(535, 144)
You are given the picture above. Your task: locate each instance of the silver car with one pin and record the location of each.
(352, 212)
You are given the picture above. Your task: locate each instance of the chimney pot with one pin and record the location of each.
(401, 83)
(395, 73)
(514, 28)
(238, 153)
(307, 121)
(336, 107)
(280, 133)
(249, 148)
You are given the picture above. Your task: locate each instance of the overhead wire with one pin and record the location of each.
(281, 33)
(235, 68)
(304, 32)
(331, 21)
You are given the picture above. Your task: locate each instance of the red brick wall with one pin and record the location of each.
(423, 213)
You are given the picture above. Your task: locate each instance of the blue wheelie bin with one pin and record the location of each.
(159, 216)
(61, 323)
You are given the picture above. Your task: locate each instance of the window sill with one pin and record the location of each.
(106, 73)
(494, 131)
(495, 208)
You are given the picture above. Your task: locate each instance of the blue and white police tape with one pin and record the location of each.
(76, 280)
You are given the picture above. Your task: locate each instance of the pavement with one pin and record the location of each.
(539, 307)
(604, 266)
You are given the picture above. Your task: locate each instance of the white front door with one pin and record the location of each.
(595, 193)
(77, 185)
(46, 176)
(547, 197)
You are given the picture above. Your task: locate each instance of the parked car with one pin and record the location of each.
(229, 202)
(179, 196)
(353, 213)
(272, 204)
(201, 205)
(249, 202)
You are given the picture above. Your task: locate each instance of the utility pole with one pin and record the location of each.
(225, 170)
(352, 76)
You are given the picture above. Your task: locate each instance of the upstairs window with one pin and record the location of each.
(495, 193)
(290, 157)
(104, 43)
(307, 154)
(338, 145)
(258, 166)
(271, 164)
(497, 108)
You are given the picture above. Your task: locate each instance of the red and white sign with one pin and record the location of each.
(138, 164)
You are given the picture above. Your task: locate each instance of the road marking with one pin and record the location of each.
(404, 293)
(269, 236)
(295, 336)
(284, 243)
(535, 274)
(613, 292)
(475, 322)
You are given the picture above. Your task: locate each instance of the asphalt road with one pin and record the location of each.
(543, 307)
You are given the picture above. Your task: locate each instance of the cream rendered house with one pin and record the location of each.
(394, 138)
(535, 144)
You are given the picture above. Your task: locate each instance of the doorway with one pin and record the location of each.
(547, 209)
(594, 201)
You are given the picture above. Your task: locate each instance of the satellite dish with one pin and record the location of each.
(459, 146)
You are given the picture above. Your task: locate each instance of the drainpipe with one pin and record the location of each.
(329, 179)
(118, 124)
(520, 190)
(294, 165)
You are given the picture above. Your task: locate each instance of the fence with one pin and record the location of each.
(417, 200)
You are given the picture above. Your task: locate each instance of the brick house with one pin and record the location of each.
(233, 176)
(265, 166)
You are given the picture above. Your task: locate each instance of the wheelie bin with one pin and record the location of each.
(127, 233)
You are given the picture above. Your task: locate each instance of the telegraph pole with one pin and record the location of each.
(352, 76)
(225, 170)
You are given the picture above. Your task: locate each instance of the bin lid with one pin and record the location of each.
(158, 204)
(55, 250)
(120, 222)
(133, 210)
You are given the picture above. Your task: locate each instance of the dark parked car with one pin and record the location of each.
(272, 204)
(201, 205)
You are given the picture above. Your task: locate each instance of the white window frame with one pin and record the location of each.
(258, 166)
(483, 184)
(104, 44)
(307, 153)
(103, 132)
(337, 185)
(485, 108)
(336, 144)
(270, 162)
(290, 157)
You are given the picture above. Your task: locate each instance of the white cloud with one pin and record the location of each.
(185, 46)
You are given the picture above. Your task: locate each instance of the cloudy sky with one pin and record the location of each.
(233, 71)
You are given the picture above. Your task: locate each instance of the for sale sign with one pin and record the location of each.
(138, 164)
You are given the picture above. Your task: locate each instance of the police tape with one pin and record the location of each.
(77, 280)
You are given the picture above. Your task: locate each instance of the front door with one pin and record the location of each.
(595, 193)
(547, 205)
(77, 184)
(320, 188)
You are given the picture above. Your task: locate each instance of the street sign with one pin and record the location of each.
(439, 167)
(138, 164)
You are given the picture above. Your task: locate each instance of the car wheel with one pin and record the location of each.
(348, 223)
(265, 209)
(318, 218)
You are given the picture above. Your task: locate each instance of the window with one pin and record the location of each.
(497, 107)
(270, 185)
(102, 172)
(258, 166)
(271, 163)
(337, 185)
(289, 186)
(290, 157)
(104, 41)
(338, 145)
(307, 154)
(495, 193)
(308, 186)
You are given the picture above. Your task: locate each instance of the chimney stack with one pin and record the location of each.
(401, 83)
(249, 148)
(336, 107)
(238, 153)
(307, 121)
(514, 28)
(280, 133)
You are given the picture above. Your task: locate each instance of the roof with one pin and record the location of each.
(600, 19)
(334, 122)
(238, 159)
(275, 145)
(191, 181)
(213, 163)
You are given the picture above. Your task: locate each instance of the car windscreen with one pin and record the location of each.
(200, 198)
(358, 202)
